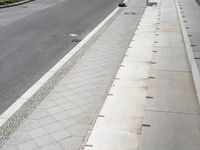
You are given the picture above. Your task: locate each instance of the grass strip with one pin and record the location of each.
(5, 2)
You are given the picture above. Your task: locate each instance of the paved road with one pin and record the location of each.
(31, 45)
(12, 14)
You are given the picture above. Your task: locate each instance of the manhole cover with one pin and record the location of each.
(129, 13)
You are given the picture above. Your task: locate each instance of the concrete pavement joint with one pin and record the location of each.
(173, 112)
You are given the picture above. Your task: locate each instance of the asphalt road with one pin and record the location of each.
(31, 45)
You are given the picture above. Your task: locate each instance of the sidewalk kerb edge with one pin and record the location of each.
(192, 61)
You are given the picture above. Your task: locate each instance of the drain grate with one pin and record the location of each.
(151, 3)
(129, 13)
(146, 125)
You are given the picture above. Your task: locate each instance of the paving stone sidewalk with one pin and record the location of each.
(62, 120)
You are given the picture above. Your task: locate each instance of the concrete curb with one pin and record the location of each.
(23, 107)
(16, 4)
(192, 61)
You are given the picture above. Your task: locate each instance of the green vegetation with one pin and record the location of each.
(4, 2)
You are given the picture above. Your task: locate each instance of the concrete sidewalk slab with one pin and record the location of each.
(172, 92)
(172, 111)
(120, 121)
(171, 131)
